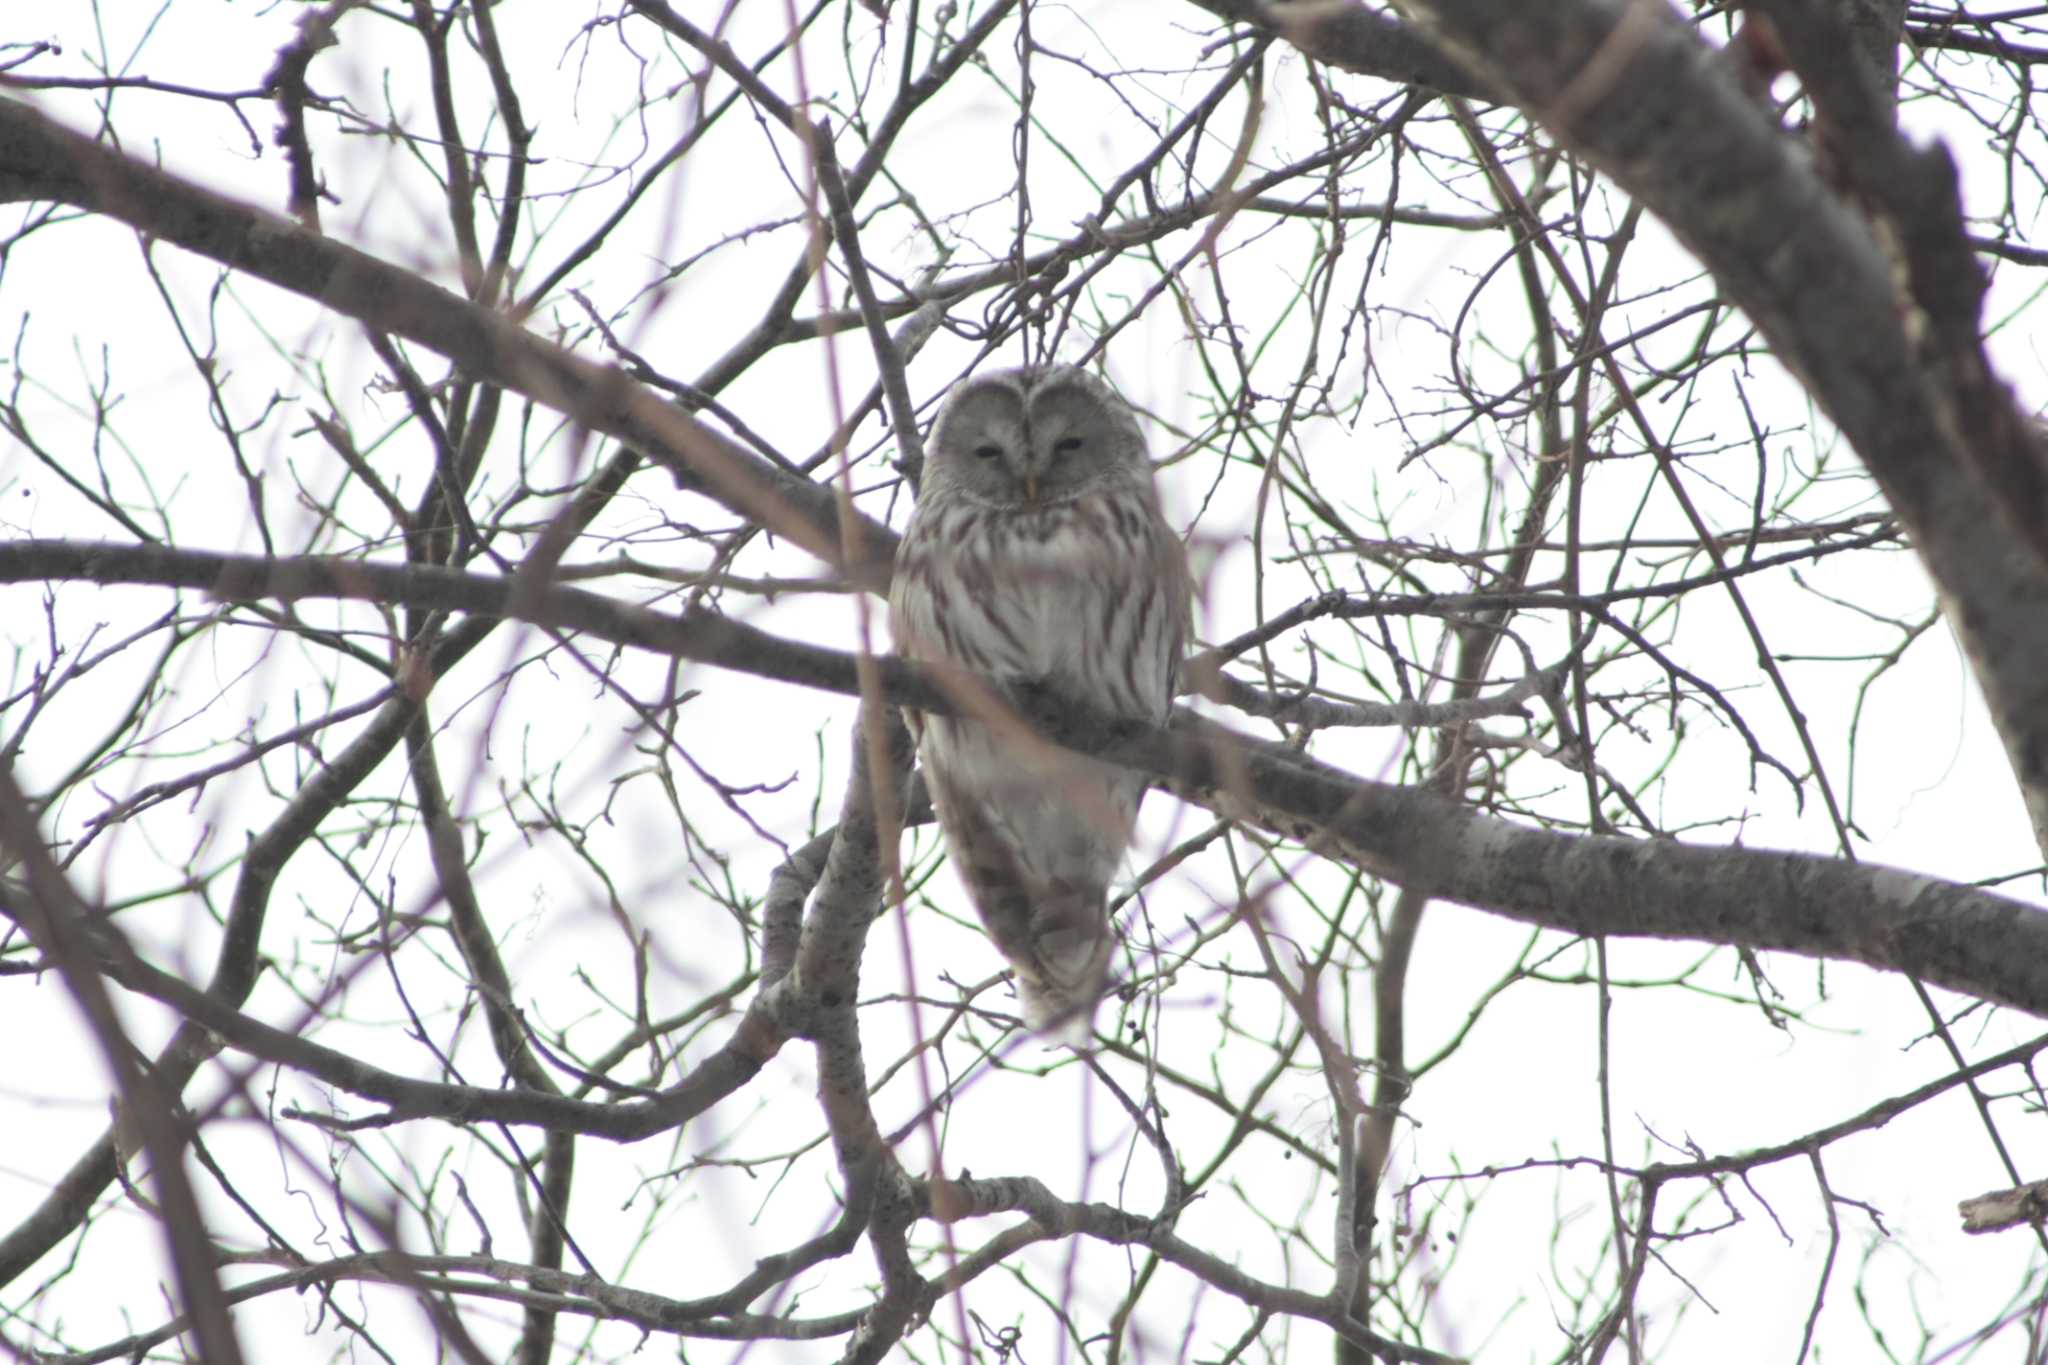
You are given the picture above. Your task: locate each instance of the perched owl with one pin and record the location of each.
(1038, 557)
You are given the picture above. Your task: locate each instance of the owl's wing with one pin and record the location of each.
(1178, 584)
(911, 625)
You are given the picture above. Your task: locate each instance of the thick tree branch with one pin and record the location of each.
(39, 158)
(1641, 95)
(970, 1197)
(1958, 937)
(1356, 39)
(72, 939)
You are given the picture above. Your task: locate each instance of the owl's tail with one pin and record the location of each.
(1071, 943)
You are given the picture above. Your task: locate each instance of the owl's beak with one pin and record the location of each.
(1031, 488)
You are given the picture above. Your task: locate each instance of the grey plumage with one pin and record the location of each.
(1038, 555)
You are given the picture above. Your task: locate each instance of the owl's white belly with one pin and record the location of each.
(1052, 616)
(1065, 610)
(1048, 595)
(1069, 598)
(1070, 816)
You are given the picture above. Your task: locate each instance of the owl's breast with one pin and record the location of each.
(1075, 587)
(1070, 594)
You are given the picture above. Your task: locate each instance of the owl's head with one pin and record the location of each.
(1035, 435)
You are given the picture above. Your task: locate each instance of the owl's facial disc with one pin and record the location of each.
(1026, 441)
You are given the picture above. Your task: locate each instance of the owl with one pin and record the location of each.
(1038, 558)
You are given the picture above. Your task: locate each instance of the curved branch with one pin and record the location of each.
(1958, 937)
(41, 159)
(1640, 94)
